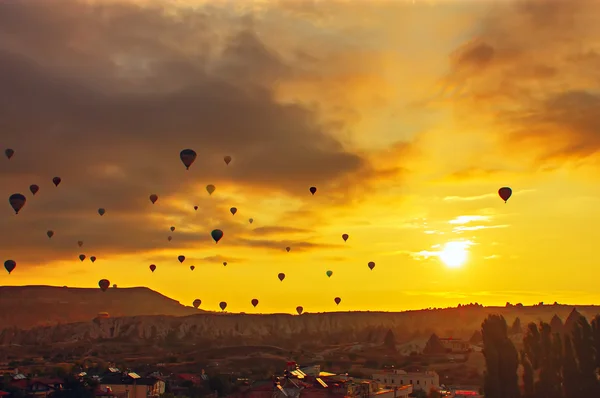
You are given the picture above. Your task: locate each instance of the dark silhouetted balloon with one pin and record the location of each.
(187, 156)
(9, 153)
(197, 303)
(345, 237)
(313, 190)
(223, 305)
(152, 267)
(371, 265)
(299, 310)
(505, 193)
(195, 207)
(50, 233)
(56, 181)
(169, 238)
(181, 258)
(287, 249)
(337, 300)
(153, 198)
(93, 259)
(227, 159)
(17, 201)
(254, 302)
(233, 210)
(224, 263)
(34, 189)
(210, 188)
(172, 229)
(104, 284)
(251, 220)
(329, 273)
(115, 286)
(101, 211)
(192, 267)
(10, 265)
(281, 276)
(82, 257)
(217, 235)
(79, 243)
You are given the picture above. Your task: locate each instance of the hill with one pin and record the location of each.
(28, 306)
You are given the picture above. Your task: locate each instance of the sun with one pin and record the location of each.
(454, 254)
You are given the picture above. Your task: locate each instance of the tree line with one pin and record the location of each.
(556, 360)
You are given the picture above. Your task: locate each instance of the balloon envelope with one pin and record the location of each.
(153, 198)
(329, 273)
(337, 300)
(227, 159)
(254, 302)
(217, 234)
(371, 265)
(313, 190)
(101, 211)
(17, 201)
(281, 276)
(223, 305)
(79, 243)
(181, 258)
(10, 265)
(299, 310)
(233, 210)
(152, 267)
(210, 189)
(56, 181)
(104, 284)
(50, 233)
(34, 189)
(287, 249)
(187, 156)
(345, 237)
(192, 267)
(9, 152)
(197, 303)
(505, 193)
(82, 257)
(251, 220)
(93, 259)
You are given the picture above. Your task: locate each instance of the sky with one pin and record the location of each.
(407, 116)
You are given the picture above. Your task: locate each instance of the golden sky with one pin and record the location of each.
(408, 116)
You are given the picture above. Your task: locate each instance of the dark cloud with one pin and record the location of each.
(281, 230)
(296, 246)
(221, 259)
(106, 95)
(534, 67)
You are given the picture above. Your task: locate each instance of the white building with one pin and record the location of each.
(395, 392)
(425, 380)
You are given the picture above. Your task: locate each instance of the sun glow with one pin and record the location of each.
(454, 254)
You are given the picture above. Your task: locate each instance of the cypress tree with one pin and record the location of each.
(527, 376)
(570, 373)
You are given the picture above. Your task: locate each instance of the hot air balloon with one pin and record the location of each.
(56, 181)
(337, 300)
(217, 235)
(195, 207)
(10, 265)
(169, 238)
(172, 229)
(281, 276)
(187, 156)
(251, 220)
(50, 233)
(223, 305)
(101, 211)
(329, 273)
(9, 153)
(17, 201)
(224, 263)
(345, 237)
(192, 267)
(299, 310)
(152, 267)
(287, 249)
(210, 188)
(79, 243)
(505, 193)
(233, 210)
(313, 190)
(254, 302)
(82, 257)
(371, 265)
(181, 258)
(153, 198)
(227, 159)
(197, 303)
(34, 189)
(104, 284)
(115, 286)
(93, 259)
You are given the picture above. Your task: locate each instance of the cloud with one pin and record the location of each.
(279, 230)
(532, 74)
(105, 95)
(221, 259)
(469, 219)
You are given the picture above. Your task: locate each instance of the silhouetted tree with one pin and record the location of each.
(596, 337)
(548, 385)
(516, 326)
(556, 324)
(434, 346)
(390, 340)
(583, 344)
(528, 374)
(501, 359)
(532, 345)
(476, 338)
(570, 373)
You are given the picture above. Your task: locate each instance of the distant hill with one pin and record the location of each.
(28, 306)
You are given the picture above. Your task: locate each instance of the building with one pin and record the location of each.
(455, 345)
(466, 394)
(132, 385)
(425, 380)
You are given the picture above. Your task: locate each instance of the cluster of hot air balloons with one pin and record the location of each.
(17, 201)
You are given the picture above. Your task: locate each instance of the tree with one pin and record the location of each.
(548, 385)
(434, 346)
(556, 324)
(390, 340)
(501, 359)
(583, 344)
(476, 338)
(516, 327)
(528, 374)
(570, 373)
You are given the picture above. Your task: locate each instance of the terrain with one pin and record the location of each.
(29, 306)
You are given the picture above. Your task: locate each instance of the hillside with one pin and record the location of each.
(29, 306)
(220, 329)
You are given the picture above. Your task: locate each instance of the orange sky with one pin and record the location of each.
(407, 117)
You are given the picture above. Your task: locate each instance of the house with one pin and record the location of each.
(422, 380)
(132, 385)
(37, 387)
(455, 345)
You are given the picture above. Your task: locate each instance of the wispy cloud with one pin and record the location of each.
(468, 219)
(478, 227)
(469, 198)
